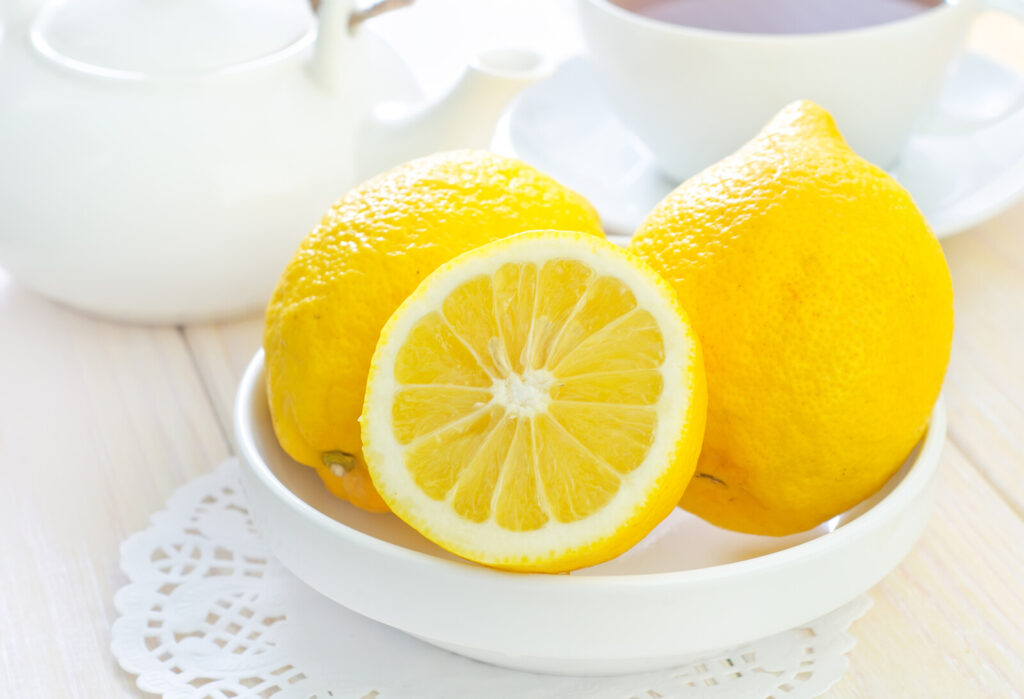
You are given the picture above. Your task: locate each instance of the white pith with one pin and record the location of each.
(523, 395)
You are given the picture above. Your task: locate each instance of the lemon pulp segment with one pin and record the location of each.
(487, 397)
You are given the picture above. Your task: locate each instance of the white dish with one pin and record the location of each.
(688, 589)
(960, 174)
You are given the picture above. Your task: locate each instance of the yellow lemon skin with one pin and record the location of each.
(825, 309)
(353, 270)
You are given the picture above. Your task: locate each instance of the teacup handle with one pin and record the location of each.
(338, 25)
(377, 8)
(947, 125)
(357, 17)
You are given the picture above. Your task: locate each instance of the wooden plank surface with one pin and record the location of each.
(985, 385)
(949, 621)
(99, 423)
(221, 352)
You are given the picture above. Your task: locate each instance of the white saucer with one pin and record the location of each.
(564, 127)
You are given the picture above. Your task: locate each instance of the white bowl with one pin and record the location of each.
(688, 589)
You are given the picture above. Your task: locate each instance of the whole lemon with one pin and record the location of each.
(352, 271)
(825, 309)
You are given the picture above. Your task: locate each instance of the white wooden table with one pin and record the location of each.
(100, 422)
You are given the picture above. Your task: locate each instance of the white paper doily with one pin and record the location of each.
(209, 612)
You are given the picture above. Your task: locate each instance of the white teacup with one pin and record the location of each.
(695, 95)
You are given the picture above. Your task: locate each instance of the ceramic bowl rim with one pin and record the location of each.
(914, 482)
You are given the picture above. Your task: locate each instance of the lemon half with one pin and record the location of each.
(536, 404)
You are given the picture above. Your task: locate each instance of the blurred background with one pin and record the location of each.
(100, 421)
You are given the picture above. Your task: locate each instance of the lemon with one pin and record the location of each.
(537, 404)
(369, 252)
(825, 309)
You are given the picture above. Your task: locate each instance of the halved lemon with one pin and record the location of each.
(537, 403)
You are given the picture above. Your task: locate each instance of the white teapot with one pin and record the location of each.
(161, 159)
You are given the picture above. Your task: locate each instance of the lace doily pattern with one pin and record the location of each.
(209, 612)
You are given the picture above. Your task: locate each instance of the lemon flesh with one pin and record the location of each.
(536, 404)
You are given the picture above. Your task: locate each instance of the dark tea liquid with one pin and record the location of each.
(778, 16)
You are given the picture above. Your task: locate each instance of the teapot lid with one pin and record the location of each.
(170, 38)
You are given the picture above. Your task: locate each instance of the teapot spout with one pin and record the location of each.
(464, 117)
